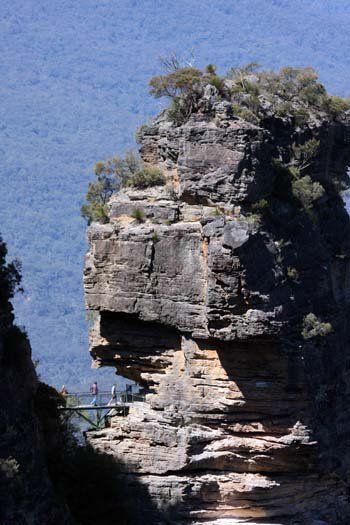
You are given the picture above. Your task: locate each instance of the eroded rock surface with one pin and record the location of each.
(202, 301)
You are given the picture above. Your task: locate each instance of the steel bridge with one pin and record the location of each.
(96, 410)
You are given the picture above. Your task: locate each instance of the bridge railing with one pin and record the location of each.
(104, 399)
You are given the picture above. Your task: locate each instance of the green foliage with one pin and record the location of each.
(244, 113)
(305, 153)
(336, 105)
(291, 92)
(292, 84)
(9, 469)
(308, 88)
(145, 177)
(285, 173)
(210, 76)
(99, 192)
(138, 214)
(288, 109)
(181, 81)
(254, 218)
(262, 204)
(217, 212)
(155, 237)
(284, 109)
(242, 76)
(94, 212)
(301, 116)
(289, 185)
(130, 170)
(252, 88)
(280, 167)
(113, 173)
(313, 327)
(294, 171)
(11, 476)
(179, 111)
(279, 259)
(292, 273)
(182, 85)
(210, 69)
(282, 243)
(307, 191)
(217, 82)
(310, 29)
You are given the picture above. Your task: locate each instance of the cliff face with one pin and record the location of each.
(26, 493)
(203, 301)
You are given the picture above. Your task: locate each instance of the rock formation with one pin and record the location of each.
(227, 297)
(26, 493)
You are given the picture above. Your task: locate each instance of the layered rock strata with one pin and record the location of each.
(202, 301)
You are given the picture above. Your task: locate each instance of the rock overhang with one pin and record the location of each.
(204, 305)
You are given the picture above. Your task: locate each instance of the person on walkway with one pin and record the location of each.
(113, 400)
(94, 392)
(128, 393)
(64, 392)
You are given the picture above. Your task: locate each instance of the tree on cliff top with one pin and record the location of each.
(254, 94)
(292, 94)
(182, 81)
(183, 85)
(112, 174)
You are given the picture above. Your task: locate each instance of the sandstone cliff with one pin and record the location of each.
(205, 299)
(26, 493)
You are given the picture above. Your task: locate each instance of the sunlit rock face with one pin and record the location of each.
(202, 302)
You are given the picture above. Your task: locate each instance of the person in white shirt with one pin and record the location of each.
(113, 400)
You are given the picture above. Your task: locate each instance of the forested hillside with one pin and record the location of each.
(74, 89)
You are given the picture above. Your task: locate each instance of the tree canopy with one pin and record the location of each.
(113, 174)
(253, 92)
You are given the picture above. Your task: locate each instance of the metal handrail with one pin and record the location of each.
(118, 405)
(102, 398)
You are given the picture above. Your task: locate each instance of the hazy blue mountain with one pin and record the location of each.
(74, 88)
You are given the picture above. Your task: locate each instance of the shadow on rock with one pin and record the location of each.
(97, 491)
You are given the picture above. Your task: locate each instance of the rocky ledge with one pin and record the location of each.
(227, 298)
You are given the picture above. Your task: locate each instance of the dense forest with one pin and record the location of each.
(76, 87)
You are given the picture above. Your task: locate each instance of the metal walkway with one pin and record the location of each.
(96, 410)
